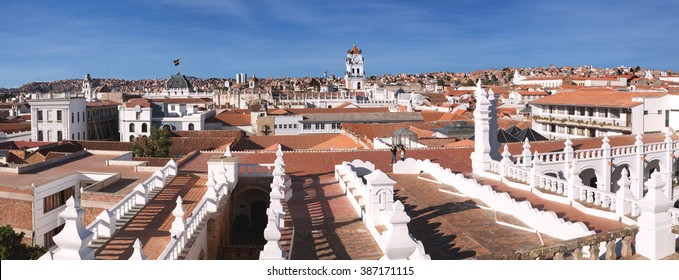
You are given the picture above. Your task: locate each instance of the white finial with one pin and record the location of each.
(605, 142)
(137, 253)
(526, 145)
(568, 141)
(228, 151)
(639, 141)
(505, 152)
(179, 224)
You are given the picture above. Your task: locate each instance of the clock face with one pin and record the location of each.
(356, 59)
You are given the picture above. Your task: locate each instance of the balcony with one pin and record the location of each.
(583, 121)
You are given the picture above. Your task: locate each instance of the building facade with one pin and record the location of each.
(57, 117)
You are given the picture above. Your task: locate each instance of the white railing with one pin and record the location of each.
(552, 157)
(597, 197)
(624, 150)
(177, 244)
(495, 166)
(589, 153)
(255, 170)
(552, 184)
(518, 174)
(138, 196)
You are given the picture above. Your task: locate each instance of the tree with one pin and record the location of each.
(315, 84)
(11, 247)
(440, 82)
(158, 145)
(469, 83)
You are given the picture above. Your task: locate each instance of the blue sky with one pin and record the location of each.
(136, 39)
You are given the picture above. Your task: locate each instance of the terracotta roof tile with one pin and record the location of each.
(596, 98)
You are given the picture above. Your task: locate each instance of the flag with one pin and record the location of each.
(176, 62)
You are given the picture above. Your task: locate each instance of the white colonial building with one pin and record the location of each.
(354, 77)
(137, 115)
(548, 82)
(57, 117)
(599, 112)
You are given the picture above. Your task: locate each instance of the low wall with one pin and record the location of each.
(546, 222)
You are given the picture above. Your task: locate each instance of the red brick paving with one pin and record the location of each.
(450, 227)
(152, 224)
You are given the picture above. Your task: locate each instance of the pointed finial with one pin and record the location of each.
(639, 141)
(505, 152)
(605, 142)
(668, 134)
(478, 84)
(179, 209)
(137, 253)
(228, 151)
(526, 145)
(568, 141)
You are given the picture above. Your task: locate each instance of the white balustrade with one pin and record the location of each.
(597, 197)
(177, 244)
(556, 185)
(518, 173)
(495, 166)
(255, 170)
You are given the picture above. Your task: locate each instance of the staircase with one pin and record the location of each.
(120, 223)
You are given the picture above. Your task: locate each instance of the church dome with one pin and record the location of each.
(178, 81)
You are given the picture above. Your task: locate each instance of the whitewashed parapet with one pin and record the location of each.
(362, 168)
(272, 233)
(407, 166)
(543, 221)
(183, 230)
(397, 242)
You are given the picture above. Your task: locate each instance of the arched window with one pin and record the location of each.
(358, 85)
(131, 138)
(144, 127)
(131, 127)
(190, 126)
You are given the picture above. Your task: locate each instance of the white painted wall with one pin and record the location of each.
(73, 123)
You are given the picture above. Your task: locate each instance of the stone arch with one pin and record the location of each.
(616, 174)
(191, 126)
(132, 127)
(248, 215)
(144, 127)
(589, 177)
(131, 138)
(651, 166)
(556, 173)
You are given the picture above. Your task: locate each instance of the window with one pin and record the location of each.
(72, 117)
(190, 126)
(131, 138)
(58, 115)
(322, 126)
(39, 115)
(55, 200)
(78, 115)
(659, 112)
(138, 115)
(645, 112)
(306, 126)
(60, 135)
(294, 126)
(171, 107)
(144, 127)
(49, 236)
(72, 136)
(131, 127)
(78, 135)
(40, 135)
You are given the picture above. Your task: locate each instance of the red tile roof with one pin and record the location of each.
(142, 102)
(596, 98)
(15, 127)
(231, 118)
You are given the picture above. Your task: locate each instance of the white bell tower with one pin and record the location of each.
(354, 76)
(87, 89)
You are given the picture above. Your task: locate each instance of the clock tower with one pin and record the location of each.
(354, 76)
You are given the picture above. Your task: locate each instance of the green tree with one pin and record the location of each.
(315, 84)
(161, 141)
(440, 82)
(158, 145)
(11, 247)
(469, 83)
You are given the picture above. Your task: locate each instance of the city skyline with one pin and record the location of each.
(138, 40)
